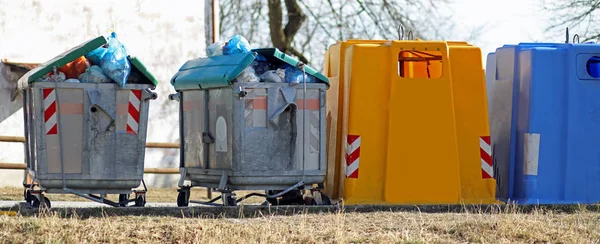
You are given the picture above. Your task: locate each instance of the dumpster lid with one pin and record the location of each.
(220, 71)
(273, 55)
(138, 66)
(60, 60)
(74, 53)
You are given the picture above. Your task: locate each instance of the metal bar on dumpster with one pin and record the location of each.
(148, 144)
(21, 166)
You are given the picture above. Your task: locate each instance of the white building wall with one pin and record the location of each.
(163, 34)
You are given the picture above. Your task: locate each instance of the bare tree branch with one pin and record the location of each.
(306, 29)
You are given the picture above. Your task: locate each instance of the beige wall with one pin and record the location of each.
(163, 34)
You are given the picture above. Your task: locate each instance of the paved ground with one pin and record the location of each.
(90, 204)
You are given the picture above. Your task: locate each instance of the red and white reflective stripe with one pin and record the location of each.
(133, 111)
(352, 156)
(485, 151)
(50, 111)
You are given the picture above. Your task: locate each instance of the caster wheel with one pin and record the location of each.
(324, 201)
(183, 199)
(123, 198)
(230, 201)
(47, 203)
(140, 201)
(27, 195)
(36, 203)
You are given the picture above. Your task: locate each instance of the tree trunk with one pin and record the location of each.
(282, 37)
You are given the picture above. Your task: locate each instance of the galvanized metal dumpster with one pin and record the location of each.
(86, 139)
(248, 136)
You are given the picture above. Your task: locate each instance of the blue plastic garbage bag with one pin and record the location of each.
(95, 56)
(295, 75)
(237, 44)
(114, 63)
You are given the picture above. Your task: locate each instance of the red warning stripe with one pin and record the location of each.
(485, 153)
(352, 156)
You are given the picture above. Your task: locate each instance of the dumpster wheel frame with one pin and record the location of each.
(35, 197)
(294, 195)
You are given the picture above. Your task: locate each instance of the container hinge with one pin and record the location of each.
(240, 93)
(207, 138)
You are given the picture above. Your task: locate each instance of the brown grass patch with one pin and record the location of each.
(376, 227)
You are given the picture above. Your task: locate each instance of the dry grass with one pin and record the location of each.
(153, 195)
(377, 227)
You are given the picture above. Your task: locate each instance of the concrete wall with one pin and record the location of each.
(163, 34)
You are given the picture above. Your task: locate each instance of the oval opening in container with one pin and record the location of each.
(593, 67)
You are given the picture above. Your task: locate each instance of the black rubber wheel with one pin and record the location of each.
(27, 195)
(293, 197)
(230, 201)
(35, 202)
(122, 199)
(140, 201)
(183, 199)
(46, 203)
(324, 200)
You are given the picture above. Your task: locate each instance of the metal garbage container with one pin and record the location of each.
(249, 135)
(86, 139)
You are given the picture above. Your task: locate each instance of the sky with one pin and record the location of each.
(507, 21)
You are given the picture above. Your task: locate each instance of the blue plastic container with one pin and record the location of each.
(545, 123)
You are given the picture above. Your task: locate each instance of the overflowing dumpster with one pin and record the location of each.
(239, 132)
(544, 122)
(86, 135)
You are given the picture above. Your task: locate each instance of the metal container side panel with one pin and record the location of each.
(501, 117)
(583, 131)
(194, 111)
(261, 148)
(89, 124)
(131, 142)
(265, 144)
(314, 138)
(541, 110)
(220, 117)
(271, 116)
(103, 116)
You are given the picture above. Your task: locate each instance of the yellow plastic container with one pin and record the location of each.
(337, 107)
(409, 123)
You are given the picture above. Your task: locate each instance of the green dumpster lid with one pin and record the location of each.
(61, 60)
(74, 53)
(138, 66)
(275, 56)
(211, 72)
(220, 71)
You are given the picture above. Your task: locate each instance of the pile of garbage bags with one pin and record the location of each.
(261, 70)
(105, 64)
